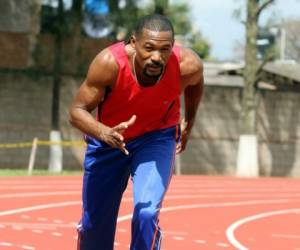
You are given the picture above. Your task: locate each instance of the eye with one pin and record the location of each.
(148, 48)
(165, 50)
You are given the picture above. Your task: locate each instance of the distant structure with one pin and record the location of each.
(19, 26)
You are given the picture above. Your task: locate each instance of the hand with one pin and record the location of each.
(113, 136)
(185, 134)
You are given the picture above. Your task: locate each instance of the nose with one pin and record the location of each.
(156, 57)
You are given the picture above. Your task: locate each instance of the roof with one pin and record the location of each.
(290, 70)
(229, 73)
(214, 74)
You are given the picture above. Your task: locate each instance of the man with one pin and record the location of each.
(136, 88)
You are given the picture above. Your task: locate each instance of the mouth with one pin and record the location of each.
(154, 68)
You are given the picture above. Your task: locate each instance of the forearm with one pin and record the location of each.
(85, 122)
(192, 98)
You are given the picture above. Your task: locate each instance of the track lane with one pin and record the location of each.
(196, 213)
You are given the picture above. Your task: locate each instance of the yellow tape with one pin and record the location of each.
(43, 143)
(62, 143)
(16, 145)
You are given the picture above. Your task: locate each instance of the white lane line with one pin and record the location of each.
(17, 227)
(39, 207)
(40, 182)
(45, 188)
(127, 217)
(58, 221)
(197, 196)
(234, 190)
(224, 204)
(6, 244)
(230, 230)
(207, 205)
(228, 185)
(39, 225)
(200, 241)
(38, 194)
(221, 244)
(168, 197)
(289, 190)
(178, 238)
(27, 247)
(172, 194)
(37, 231)
(197, 182)
(288, 236)
(232, 185)
(174, 233)
(57, 234)
(124, 218)
(51, 187)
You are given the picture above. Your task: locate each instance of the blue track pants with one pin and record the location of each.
(106, 172)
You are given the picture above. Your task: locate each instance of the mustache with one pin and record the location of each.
(156, 64)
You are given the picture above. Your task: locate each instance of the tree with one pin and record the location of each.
(247, 163)
(122, 18)
(161, 6)
(179, 14)
(75, 17)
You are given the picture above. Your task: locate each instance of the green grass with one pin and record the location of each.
(36, 172)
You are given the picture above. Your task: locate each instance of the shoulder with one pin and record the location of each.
(190, 62)
(103, 69)
(191, 68)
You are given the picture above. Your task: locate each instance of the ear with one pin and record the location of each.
(133, 41)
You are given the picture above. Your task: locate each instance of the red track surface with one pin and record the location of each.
(199, 212)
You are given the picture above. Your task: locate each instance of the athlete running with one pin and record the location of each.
(135, 87)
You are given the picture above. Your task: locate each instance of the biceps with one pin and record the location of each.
(88, 97)
(196, 79)
(192, 80)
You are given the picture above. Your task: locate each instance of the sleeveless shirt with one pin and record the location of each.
(156, 107)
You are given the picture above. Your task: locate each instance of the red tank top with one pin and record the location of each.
(156, 107)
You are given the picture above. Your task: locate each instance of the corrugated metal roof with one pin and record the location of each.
(227, 73)
(214, 74)
(224, 80)
(287, 70)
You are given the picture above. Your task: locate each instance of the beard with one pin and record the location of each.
(158, 69)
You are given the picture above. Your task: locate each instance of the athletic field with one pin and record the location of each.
(199, 212)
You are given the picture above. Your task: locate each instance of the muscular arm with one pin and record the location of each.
(102, 73)
(191, 68)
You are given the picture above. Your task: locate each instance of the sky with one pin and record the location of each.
(215, 20)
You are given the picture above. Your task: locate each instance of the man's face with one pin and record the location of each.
(153, 49)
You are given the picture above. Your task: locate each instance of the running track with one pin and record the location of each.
(199, 212)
